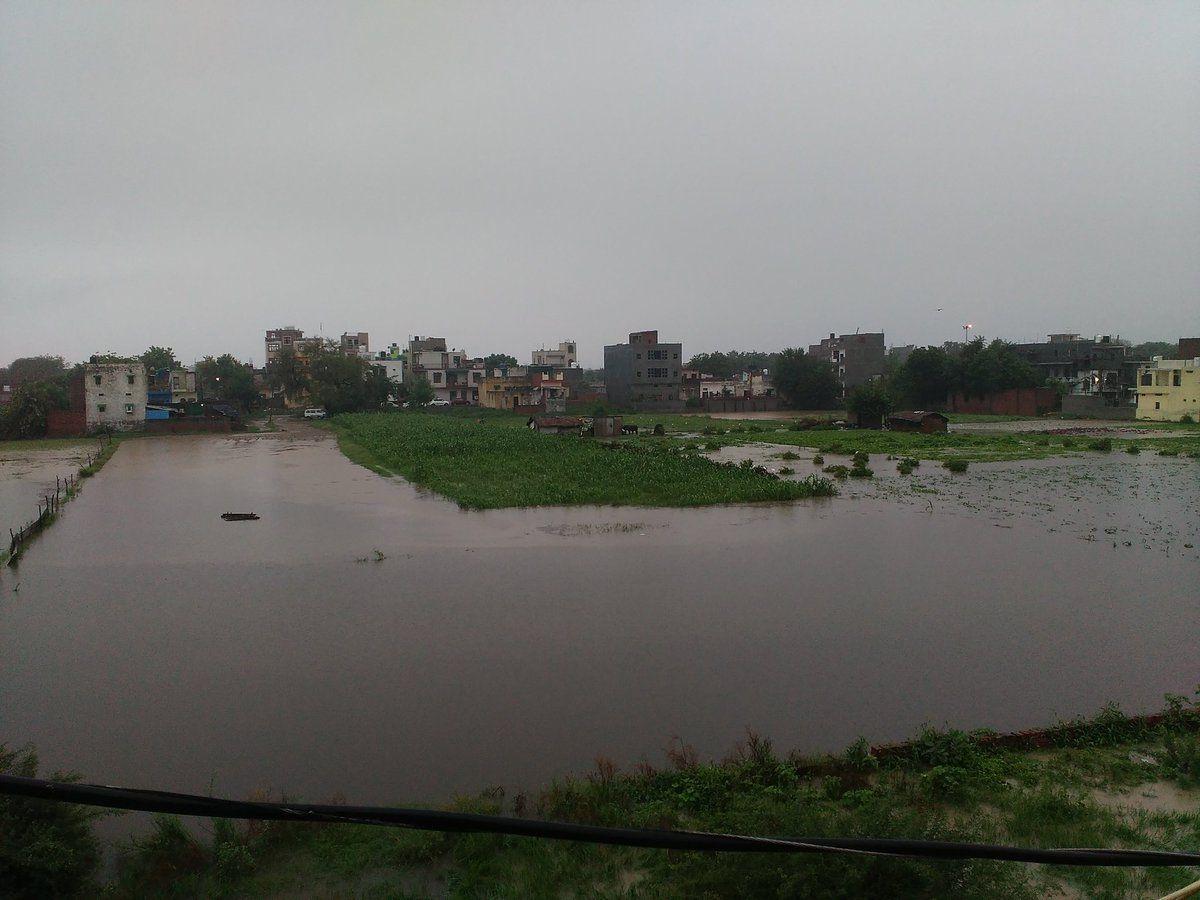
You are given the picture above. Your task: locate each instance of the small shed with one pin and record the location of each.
(917, 420)
(606, 426)
(555, 424)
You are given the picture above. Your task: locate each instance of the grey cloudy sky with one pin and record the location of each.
(507, 174)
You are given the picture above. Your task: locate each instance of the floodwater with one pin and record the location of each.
(26, 477)
(146, 642)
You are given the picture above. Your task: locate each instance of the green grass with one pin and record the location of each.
(44, 444)
(487, 461)
(943, 785)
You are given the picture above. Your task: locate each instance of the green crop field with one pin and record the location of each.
(484, 462)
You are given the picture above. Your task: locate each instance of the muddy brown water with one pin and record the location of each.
(146, 642)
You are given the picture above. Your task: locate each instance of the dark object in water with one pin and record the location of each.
(239, 517)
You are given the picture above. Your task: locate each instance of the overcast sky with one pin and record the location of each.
(507, 174)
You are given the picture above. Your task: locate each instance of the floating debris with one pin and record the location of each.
(239, 517)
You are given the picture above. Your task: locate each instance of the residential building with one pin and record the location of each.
(114, 396)
(525, 389)
(1099, 369)
(288, 336)
(355, 344)
(644, 374)
(392, 368)
(167, 386)
(563, 357)
(1169, 389)
(453, 374)
(856, 358)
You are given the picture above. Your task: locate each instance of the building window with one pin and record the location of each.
(639, 373)
(96, 378)
(1176, 376)
(1156, 404)
(101, 407)
(658, 373)
(129, 378)
(128, 409)
(437, 377)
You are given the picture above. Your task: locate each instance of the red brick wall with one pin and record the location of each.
(1013, 402)
(65, 423)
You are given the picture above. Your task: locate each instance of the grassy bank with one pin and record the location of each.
(489, 461)
(1108, 781)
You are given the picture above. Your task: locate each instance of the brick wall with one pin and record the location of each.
(1013, 402)
(65, 423)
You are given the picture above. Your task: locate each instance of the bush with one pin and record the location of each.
(956, 465)
(818, 460)
(1186, 419)
(1102, 445)
(1133, 448)
(787, 470)
(861, 472)
(47, 848)
(904, 468)
(839, 472)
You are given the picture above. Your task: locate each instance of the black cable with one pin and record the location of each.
(432, 820)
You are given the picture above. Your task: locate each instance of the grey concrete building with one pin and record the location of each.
(1099, 372)
(856, 358)
(114, 396)
(644, 374)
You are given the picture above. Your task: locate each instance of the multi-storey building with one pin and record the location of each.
(114, 396)
(288, 336)
(453, 374)
(856, 358)
(563, 357)
(644, 374)
(1169, 389)
(356, 343)
(1098, 370)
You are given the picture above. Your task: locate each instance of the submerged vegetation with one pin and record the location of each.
(484, 462)
(1108, 781)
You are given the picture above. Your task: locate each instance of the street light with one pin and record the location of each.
(966, 328)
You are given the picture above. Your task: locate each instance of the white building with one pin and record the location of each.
(564, 356)
(453, 375)
(114, 396)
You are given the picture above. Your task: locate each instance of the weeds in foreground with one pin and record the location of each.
(942, 785)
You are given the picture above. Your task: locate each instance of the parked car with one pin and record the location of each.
(314, 412)
(439, 403)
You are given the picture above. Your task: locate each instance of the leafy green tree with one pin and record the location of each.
(420, 392)
(26, 369)
(870, 403)
(157, 358)
(47, 849)
(342, 383)
(287, 373)
(25, 415)
(498, 360)
(926, 378)
(226, 378)
(806, 382)
(729, 363)
(1151, 349)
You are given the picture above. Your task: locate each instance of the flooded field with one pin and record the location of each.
(26, 476)
(368, 640)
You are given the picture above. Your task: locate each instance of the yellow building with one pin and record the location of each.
(1169, 389)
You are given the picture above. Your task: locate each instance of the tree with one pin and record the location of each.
(806, 382)
(925, 379)
(25, 415)
(420, 392)
(729, 363)
(157, 358)
(870, 403)
(1151, 349)
(286, 373)
(28, 369)
(498, 361)
(226, 378)
(342, 383)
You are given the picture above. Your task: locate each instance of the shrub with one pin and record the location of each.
(904, 468)
(839, 472)
(789, 454)
(1133, 448)
(1102, 445)
(861, 458)
(861, 472)
(956, 465)
(1186, 419)
(47, 849)
(787, 470)
(818, 460)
